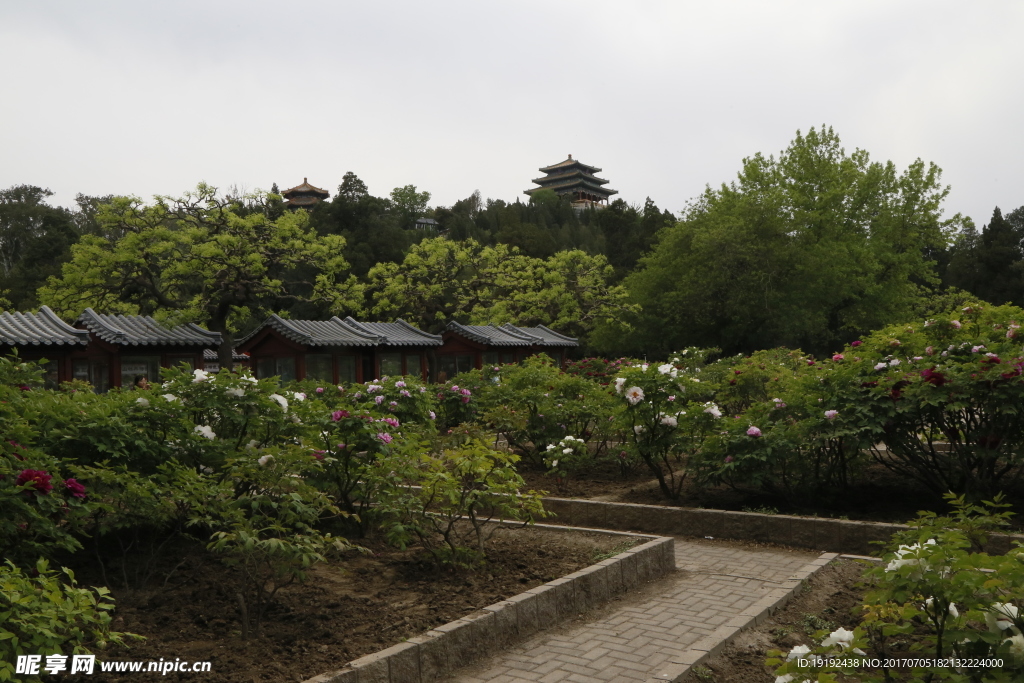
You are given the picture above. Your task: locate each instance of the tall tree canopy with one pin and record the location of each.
(198, 259)
(990, 265)
(804, 250)
(35, 238)
(442, 280)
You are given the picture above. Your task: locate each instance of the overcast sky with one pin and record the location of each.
(149, 98)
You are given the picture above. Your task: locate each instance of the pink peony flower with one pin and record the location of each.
(319, 455)
(378, 400)
(956, 324)
(837, 356)
(339, 414)
(729, 458)
(856, 343)
(754, 432)
(831, 414)
(384, 436)
(319, 390)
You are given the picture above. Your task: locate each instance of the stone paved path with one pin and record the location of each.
(635, 635)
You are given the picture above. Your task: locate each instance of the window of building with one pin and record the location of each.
(319, 366)
(135, 366)
(413, 365)
(390, 364)
(346, 369)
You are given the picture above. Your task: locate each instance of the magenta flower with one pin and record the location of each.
(378, 400)
(856, 343)
(405, 393)
(384, 436)
(319, 390)
(341, 446)
(754, 432)
(38, 479)
(837, 356)
(399, 384)
(390, 421)
(319, 455)
(729, 458)
(74, 488)
(338, 414)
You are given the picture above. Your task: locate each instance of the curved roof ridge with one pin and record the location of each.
(103, 329)
(42, 328)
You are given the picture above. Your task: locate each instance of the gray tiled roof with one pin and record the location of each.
(142, 330)
(548, 336)
(211, 355)
(39, 329)
(494, 336)
(398, 333)
(331, 332)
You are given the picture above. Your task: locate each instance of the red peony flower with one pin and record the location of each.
(39, 480)
(74, 488)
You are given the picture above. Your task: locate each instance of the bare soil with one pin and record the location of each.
(827, 602)
(351, 607)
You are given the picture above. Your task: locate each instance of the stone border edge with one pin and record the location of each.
(430, 656)
(814, 533)
(709, 646)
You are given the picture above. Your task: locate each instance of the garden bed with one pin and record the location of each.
(347, 609)
(826, 602)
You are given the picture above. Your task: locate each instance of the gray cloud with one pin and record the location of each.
(137, 98)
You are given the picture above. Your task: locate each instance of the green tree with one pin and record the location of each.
(802, 250)
(410, 204)
(439, 280)
(990, 265)
(35, 238)
(196, 259)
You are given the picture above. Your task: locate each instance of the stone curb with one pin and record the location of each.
(709, 646)
(429, 657)
(814, 533)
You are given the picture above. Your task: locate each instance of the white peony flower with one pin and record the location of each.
(1016, 645)
(200, 375)
(669, 421)
(235, 391)
(798, 651)
(144, 402)
(249, 378)
(665, 369)
(299, 396)
(634, 395)
(204, 430)
(619, 381)
(550, 447)
(170, 397)
(281, 401)
(1001, 616)
(265, 460)
(840, 637)
(554, 463)
(252, 444)
(638, 429)
(713, 410)
(566, 451)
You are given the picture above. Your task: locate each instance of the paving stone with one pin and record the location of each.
(722, 589)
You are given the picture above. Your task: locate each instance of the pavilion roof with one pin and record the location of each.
(569, 175)
(331, 332)
(569, 163)
(569, 185)
(39, 329)
(494, 336)
(548, 336)
(398, 333)
(305, 188)
(142, 330)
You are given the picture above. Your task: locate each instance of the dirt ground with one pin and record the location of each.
(827, 602)
(349, 608)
